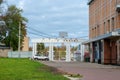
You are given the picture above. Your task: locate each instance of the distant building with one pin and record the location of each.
(25, 44)
(77, 56)
(4, 50)
(104, 31)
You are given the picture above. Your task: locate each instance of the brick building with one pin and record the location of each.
(25, 44)
(104, 31)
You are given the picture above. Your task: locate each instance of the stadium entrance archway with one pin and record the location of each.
(51, 41)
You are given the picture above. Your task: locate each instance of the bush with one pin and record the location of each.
(87, 57)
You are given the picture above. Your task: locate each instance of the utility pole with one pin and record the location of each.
(19, 39)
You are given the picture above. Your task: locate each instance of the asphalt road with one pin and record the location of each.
(90, 71)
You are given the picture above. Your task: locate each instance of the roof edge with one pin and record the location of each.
(90, 1)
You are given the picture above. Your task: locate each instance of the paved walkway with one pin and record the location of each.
(90, 71)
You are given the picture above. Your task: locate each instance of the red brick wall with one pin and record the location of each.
(110, 52)
(100, 12)
(113, 52)
(103, 18)
(106, 51)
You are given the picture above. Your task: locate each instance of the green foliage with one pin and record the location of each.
(24, 69)
(1, 1)
(40, 47)
(2, 24)
(13, 19)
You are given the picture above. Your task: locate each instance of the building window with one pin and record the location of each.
(104, 28)
(98, 30)
(113, 24)
(92, 33)
(95, 32)
(108, 27)
(118, 22)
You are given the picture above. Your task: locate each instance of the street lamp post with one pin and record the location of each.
(9, 22)
(19, 39)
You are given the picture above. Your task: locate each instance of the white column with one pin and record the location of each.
(51, 55)
(82, 52)
(68, 52)
(50, 51)
(91, 52)
(102, 53)
(35, 48)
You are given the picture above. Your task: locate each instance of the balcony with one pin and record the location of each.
(90, 1)
(118, 8)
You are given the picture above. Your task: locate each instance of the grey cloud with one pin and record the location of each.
(52, 16)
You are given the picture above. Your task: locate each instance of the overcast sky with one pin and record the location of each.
(50, 17)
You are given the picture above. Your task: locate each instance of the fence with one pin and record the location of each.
(16, 54)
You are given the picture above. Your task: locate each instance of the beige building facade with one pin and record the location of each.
(25, 44)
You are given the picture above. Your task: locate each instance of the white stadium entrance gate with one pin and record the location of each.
(51, 41)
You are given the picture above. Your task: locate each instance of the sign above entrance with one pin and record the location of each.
(57, 40)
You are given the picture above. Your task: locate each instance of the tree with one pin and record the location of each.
(2, 30)
(13, 18)
(2, 23)
(1, 1)
(40, 47)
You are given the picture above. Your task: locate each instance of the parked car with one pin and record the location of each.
(41, 57)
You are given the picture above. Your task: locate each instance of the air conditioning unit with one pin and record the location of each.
(118, 8)
(115, 33)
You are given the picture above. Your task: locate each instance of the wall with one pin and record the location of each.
(110, 52)
(25, 44)
(106, 51)
(103, 17)
(22, 54)
(4, 52)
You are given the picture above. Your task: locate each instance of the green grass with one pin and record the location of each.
(25, 69)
